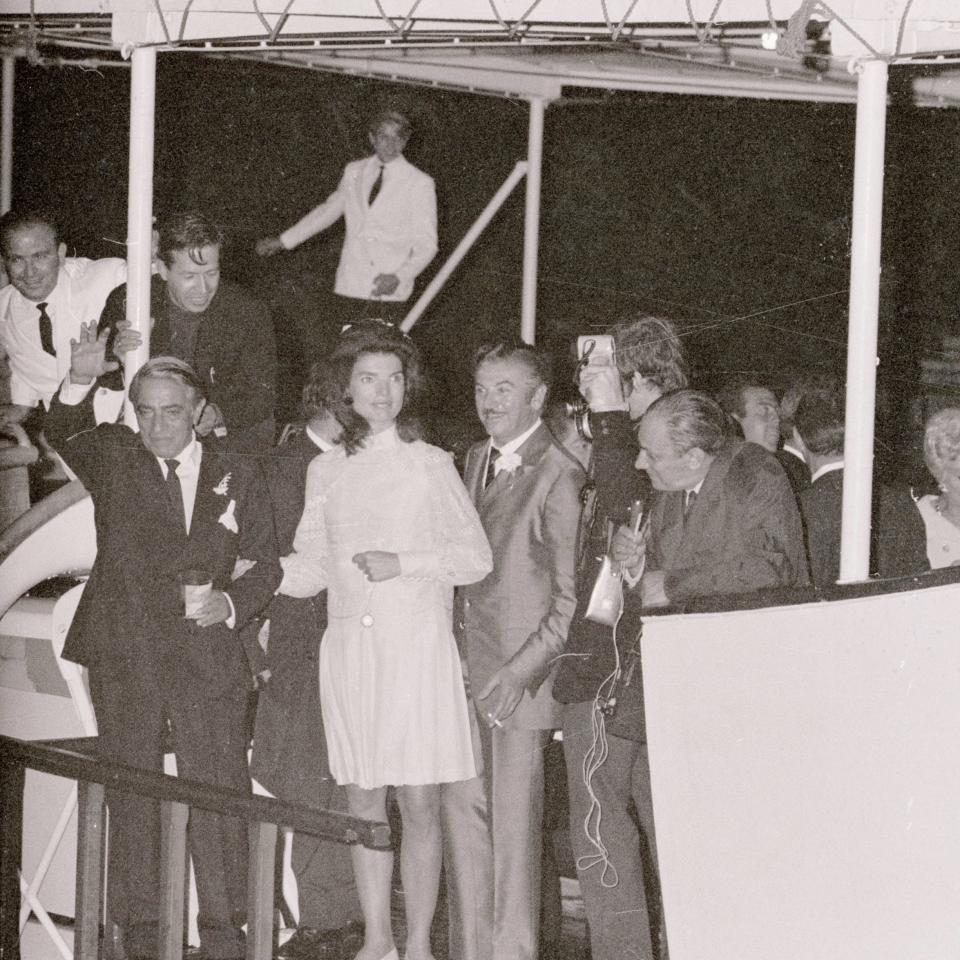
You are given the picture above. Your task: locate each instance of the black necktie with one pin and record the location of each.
(46, 330)
(375, 189)
(176, 491)
(491, 472)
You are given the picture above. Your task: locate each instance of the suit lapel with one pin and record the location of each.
(690, 528)
(208, 505)
(671, 534)
(358, 187)
(531, 453)
(471, 471)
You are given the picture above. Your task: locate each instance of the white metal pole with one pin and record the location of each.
(531, 223)
(864, 308)
(469, 239)
(6, 135)
(143, 88)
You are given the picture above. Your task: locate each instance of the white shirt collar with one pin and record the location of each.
(325, 445)
(826, 468)
(517, 442)
(188, 458)
(790, 448)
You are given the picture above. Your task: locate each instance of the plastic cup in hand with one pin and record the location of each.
(195, 587)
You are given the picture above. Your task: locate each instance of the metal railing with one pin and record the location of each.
(77, 760)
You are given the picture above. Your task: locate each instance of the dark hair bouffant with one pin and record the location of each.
(375, 336)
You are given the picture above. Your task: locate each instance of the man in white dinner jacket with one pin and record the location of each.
(390, 209)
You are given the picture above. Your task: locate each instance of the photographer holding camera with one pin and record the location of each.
(618, 385)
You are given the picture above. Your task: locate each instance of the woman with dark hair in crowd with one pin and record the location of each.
(389, 529)
(920, 533)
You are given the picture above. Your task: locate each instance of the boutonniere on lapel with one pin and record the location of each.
(228, 519)
(223, 486)
(508, 462)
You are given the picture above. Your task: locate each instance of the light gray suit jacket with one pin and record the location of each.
(520, 613)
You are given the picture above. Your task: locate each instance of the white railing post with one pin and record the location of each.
(531, 221)
(463, 247)
(143, 88)
(6, 135)
(864, 308)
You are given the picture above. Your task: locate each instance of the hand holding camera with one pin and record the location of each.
(599, 379)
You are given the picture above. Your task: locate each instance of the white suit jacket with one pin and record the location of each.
(397, 234)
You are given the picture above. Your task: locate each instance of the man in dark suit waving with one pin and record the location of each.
(165, 504)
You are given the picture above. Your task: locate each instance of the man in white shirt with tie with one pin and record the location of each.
(390, 209)
(48, 297)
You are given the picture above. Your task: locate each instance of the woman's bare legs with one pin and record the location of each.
(420, 858)
(373, 869)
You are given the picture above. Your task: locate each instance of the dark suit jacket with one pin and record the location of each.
(901, 536)
(822, 506)
(520, 612)
(234, 353)
(289, 747)
(618, 484)
(797, 471)
(742, 533)
(130, 618)
(898, 546)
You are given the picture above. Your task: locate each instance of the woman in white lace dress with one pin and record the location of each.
(388, 529)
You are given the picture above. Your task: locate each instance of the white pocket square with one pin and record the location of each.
(228, 519)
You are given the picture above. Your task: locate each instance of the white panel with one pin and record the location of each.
(805, 779)
(66, 543)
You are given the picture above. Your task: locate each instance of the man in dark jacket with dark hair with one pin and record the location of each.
(648, 360)
(218, 328)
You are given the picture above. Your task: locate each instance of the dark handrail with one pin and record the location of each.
(77, 760)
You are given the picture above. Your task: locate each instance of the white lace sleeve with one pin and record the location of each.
(305, 569)
(462, 554)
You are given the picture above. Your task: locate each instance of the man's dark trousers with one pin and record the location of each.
(209, 743)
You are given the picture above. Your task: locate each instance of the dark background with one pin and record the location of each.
(729, 216)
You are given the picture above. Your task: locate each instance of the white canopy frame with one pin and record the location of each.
(686, 34)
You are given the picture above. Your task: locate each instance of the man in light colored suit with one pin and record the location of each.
(514, 623)
(390, 209)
